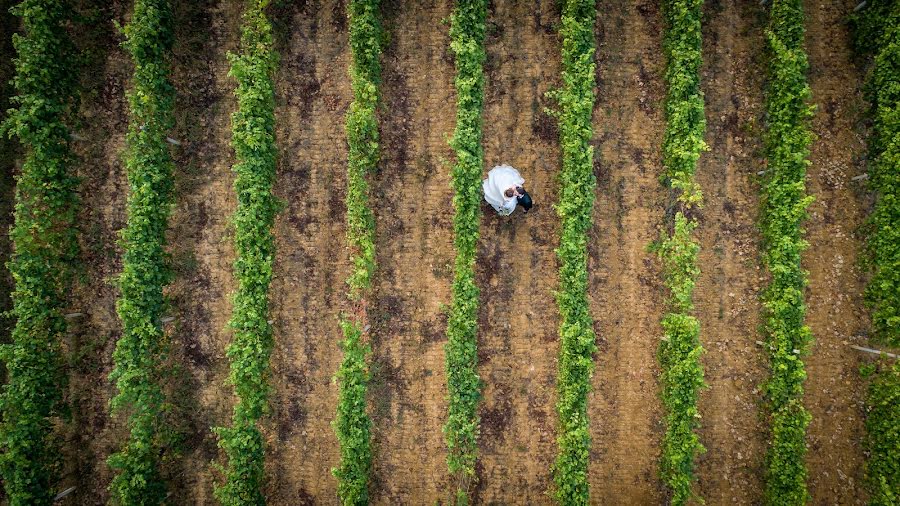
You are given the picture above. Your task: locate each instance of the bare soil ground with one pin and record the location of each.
(308, 291)
(726, 297)
(626, 294)
(104, 116)
(517, 266)
(835, 392)
(414, 224)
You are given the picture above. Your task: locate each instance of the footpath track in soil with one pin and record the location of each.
(834, 390)
(308, 290)
(732, 427)
(627, 299)
(201, 237)
(411, 198)
(516, 264)
(91, 338)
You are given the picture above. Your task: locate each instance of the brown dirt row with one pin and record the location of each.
(835, 392)
(92, 338)
(201, 237)
(516, 265)
(625, 290)
(726, 297)
(308, 291)
(411, 198)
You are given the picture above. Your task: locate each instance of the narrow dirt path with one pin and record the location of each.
(835, 392)
(92, 338)
(516, 266)
(308, 292)
(411, 200)
(625, 285)
(726, 297)
(201, 237)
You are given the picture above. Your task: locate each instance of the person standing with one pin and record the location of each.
(504, 190)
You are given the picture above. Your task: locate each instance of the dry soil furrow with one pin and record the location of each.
(517, 268)
(308, 292)
(411, 200)
(625, 286)
(835, 311)
(92, 338)
(726, 297)
(201, 238)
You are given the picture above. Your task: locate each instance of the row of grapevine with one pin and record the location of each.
(142, 349)
(881, 35)
(577, 181)
(784, 202)
(679, 352)
(877, 32)
(253, 140)
(44, 246)
(353, 425)
(883, 436)
(464, 386)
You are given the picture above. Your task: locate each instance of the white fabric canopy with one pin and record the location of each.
(499, 179)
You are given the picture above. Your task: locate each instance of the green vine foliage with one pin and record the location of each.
(784, 203)
(877, 32)
(142, 349)
(680, 350)
(883, 439)
(363, 139)
(352, 424)
(253, 140)
(467, 31)
(577, 182)
(44, 245)
(881, 31)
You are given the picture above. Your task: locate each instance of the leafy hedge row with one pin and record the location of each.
(253, 140)
(883, 291)
(352, 425)
(680, 350)
(883, 439)
(784, 203)
(577, 181)
(44, 245)
(141, 350)
(877, 32)
(467, 31)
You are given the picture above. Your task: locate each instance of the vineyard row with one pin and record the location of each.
(577, 182)
(142, 350)
(681, 375)
(44, 245)
(467, 31)
(353, 425)
(877, 32)
(253, 140)
(784, 202)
